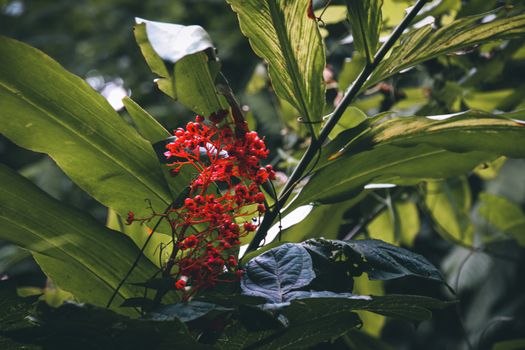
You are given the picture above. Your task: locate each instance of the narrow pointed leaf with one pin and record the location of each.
(365, 18)
(424, 43)
(145, 123)
(281, 33)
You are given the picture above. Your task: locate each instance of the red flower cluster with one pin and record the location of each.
(224, 197)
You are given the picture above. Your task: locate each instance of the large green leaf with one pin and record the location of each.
(281, 32)
(365, 18)
(449, 203)
(46, 109)
(176, 53)
(406, 150)
(80, 255)
(425, 43)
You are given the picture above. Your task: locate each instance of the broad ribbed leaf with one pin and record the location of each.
(46, 109)
(274, 273)
(380, 260)
(365, 18)
(80, 255)
(281, 33)
(406, 150)
(425, 43)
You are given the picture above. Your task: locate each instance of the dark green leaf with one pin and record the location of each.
(184, 312)
(406, 307)
(380, 260)
(87, 327)
(272, 274)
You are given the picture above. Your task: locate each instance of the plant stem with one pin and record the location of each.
(135, 263)
(316, 144)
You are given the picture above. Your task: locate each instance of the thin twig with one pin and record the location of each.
(135, 263)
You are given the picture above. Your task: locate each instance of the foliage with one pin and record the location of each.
(428, 115)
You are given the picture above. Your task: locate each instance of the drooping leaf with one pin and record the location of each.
(146, 125)
(80, 255)
(380, 260)
(425, 43)
(178, 55)
(503, 215)
(281, 33)
(407, 150)
(280, 270)
(78, 128)
(449, 202)
(365, 18)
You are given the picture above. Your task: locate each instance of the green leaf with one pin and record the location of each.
(177, 54)
(78, 128)
(424, 43)
(88, 327)
(360, 340)
(449, 203)
(80, 255)
(310, 324)
(407, 150)
(157, 250)
(399, 224)
(13, 317)
(184, 312)
(365, 18)
(503, 215)
(407, 307)
(380, 260)
(146, 125)
(281, 33)
(278, 271)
